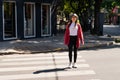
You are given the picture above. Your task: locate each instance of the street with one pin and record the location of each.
(113, 30)
(101, 63)
(104, 61)
(93, 64)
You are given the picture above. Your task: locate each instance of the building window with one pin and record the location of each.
(46, 26)
(9, 20)
(29, 19)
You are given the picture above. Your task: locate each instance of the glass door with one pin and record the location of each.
(9, 20)
(29, 20)
(46, 26)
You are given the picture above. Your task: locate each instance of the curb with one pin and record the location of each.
(60, 49)
(82, 48)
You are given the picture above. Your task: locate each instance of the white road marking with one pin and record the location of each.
(46, 65)
(36, 58)
(38, 67)
(48, 75)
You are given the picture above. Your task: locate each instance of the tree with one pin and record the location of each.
(84, 9)
(110, 6)
(54, 7)
(97, 20)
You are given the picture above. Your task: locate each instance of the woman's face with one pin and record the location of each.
(74, 19)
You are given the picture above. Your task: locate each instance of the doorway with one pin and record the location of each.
(9, 20)
(29, 20)
(45, 20)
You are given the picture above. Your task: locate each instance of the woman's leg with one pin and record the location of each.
(70, 52)
(75, 54)
(75, 57)
(75, 49)
(70, 56)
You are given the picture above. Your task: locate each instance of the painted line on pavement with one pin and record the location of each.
(47, 75)
(38, 67)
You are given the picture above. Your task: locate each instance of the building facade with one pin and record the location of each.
(22, 19)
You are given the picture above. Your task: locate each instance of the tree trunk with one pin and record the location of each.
(97, 12)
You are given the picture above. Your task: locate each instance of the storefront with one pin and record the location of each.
(22, 19)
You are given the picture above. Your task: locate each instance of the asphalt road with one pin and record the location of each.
(113, 30)
(93, 64)
(104, 61)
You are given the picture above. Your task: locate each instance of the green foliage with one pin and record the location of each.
(77, 6)
(84, 9)
(117, 40)
(110, 4)
(67, 8)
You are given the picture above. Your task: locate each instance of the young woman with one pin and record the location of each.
(72, 38)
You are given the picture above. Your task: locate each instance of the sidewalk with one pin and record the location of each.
(50, 44)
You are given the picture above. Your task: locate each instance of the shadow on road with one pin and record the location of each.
(50, 70)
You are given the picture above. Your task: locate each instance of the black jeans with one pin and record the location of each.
(72, 44)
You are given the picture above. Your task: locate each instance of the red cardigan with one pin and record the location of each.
(80, 38)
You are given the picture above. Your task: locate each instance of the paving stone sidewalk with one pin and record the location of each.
(50, 44)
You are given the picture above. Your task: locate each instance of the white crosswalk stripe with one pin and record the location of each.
(52, 74)
(41, 66)
(36, 58)
(37, 67)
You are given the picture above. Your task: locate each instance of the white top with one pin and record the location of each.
(73, 29)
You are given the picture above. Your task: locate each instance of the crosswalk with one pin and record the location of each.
(43, 66)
